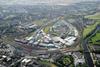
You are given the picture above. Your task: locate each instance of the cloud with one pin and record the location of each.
(30, 2)
(35, 1)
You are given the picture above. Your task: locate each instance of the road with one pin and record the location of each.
(86, 51)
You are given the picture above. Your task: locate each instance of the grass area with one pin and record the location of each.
(46, 29)
(96, 39)
(94, 17)
(64, 61)
(47, 64)
(89, 28)
(40, 22)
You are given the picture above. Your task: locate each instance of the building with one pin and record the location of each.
(78, 58)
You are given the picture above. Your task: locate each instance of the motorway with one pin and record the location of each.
(86, 51)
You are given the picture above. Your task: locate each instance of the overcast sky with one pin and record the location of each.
(30, 2)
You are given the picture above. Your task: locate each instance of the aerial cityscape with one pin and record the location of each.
(49, 33)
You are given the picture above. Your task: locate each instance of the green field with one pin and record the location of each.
(89, 28)
(94, 17)
(96, 39)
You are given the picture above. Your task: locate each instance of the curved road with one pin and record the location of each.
(86, 51)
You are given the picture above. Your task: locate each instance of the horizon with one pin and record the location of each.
(36, 2)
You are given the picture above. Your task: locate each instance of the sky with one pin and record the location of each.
(50, 2)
